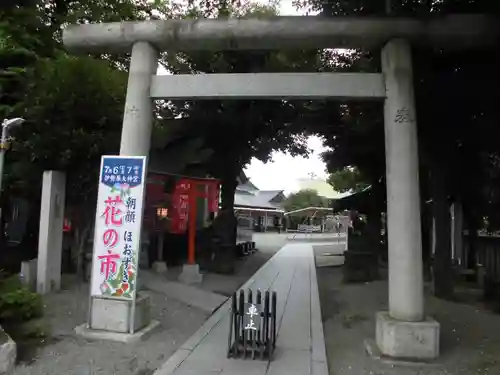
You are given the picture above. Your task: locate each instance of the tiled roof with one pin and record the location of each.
(247, 196)
(323, 188)
(247, 186)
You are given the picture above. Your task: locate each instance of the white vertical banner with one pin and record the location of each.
(117, 233)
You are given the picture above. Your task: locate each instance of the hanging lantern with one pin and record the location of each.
(161, 213)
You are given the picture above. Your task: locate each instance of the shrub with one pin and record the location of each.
(18, 303)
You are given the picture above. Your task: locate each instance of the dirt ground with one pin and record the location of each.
(470, 335)
(65, 353)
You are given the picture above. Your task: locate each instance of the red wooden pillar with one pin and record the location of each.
(192, 222)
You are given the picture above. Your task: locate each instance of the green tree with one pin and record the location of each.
(70, 123)
(348, 179)
(73, 105)
(450, 146)
(236, 131)
(304, 199)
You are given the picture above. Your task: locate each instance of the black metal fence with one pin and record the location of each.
(252, 327)
(245, 248)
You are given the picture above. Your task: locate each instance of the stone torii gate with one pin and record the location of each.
(404, 331)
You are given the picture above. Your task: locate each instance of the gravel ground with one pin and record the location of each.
(66, 354)
(470, 339)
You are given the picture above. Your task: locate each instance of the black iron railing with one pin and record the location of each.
(252, 327)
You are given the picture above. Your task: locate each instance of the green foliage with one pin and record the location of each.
(21, 311)
(31, 329)
(73, 105)
(304, 199)
(348, 179)
(457, 125)
(399, 7)
(20, 48)
(73, 110)
(17, 303)
(237, 131)
(456, 117)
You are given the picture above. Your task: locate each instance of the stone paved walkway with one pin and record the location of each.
(300, 347)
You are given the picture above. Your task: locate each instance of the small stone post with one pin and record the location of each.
(51, 232)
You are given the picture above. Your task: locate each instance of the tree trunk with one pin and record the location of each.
(426, 223)
(4, 210)
(224, 252)
(373, 232)
(82, 221)
(472, 228)
(78, 249)
(228, 190)
(443, 270)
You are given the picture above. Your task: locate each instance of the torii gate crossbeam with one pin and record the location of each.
(454, 31)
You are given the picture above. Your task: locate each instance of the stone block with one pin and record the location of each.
(28, 272)
(190, 274)
(407, 340)
(159, 267)
(127, 338)
(114, 315)
(50, 233)
(8, 353)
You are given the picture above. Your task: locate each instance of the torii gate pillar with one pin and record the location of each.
(404, 331)
(138, 113)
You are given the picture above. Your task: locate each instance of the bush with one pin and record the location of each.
(18, 303)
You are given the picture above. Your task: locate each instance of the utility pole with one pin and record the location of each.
(4, 146)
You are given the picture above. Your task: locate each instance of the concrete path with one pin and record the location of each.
(190, 295)
(329, 237)
(300, 347)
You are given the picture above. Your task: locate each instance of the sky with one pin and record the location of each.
(284, 171)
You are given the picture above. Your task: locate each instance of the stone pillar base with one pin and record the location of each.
(190, 274)
(114, 315)
(407, 340)
(159, 267)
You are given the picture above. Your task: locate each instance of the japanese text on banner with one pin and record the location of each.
(118, 227)
(181, 206)
(213, 196)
